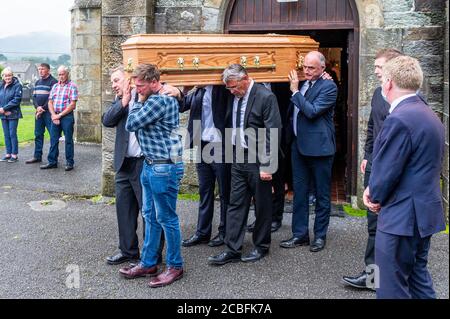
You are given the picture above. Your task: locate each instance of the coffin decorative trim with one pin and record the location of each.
(199, 59)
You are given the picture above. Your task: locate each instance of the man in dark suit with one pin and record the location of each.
(312, 149)
(404, 185)
(128, 162)
(378, 113)
(253, 109)
(206, 129)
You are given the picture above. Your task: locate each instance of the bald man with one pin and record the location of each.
(313, 147)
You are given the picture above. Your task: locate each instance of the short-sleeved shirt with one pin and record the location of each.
(62, 95)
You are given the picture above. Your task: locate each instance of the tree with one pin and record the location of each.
(63, 59)
(3, 57)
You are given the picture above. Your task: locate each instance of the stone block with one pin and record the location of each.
(127, 8)
(107, 183)
(179, 3)
(89, 118)
(398, 6)
(160, 23)
(210, 23)
(381, 38)
(88, 133)
(424, 33)
(213, 3)
(132, 25)
(429, 5)
(371, 14)
(406, 19)
(110, 25)
(423, 47)
(183, 19)
(431, 64)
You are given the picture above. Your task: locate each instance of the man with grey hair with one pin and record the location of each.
(61, 104)
(404, 186)
(255, 110)
(313, 149)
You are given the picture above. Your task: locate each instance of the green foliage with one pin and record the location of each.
(191, 197)
(446, 230)
(25, 129)
(349, 210)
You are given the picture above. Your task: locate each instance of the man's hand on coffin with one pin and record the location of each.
(126, 97)
(293, 79)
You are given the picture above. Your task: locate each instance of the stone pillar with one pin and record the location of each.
(445, 179)
(120, 19)
(86, 57)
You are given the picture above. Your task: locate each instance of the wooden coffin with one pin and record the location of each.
(195, 59)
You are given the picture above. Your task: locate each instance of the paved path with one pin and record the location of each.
(41, 249)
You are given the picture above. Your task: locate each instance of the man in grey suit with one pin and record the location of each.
(256, 124)
(128, 162)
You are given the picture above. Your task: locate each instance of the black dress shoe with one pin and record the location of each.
(359, 281)
(33, 160)
(317, 245)
(47, 166)
(68, 168)
(276, 224)
(194, 240)
(119, 259)
(254, 255)
(224, 258)
(251, 227)
(216, 241)
(295, 242)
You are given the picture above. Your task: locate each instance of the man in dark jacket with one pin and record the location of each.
(128, 161)
(404, 187)
(378, 113)
(206, 129)
(43, 118)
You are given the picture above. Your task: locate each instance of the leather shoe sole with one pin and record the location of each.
(223, 261)
(120, 260)
(193, 242)
(68, 168)
(293, 244)
(33, 160)
(253, 257)
(162, 284)
(49, 166)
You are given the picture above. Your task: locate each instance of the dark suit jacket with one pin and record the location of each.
(378, 113)
(261, 112)
(406, 167)
(194, 102)
(116, 116)
(315, 127)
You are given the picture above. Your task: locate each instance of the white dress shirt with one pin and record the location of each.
(243, 108)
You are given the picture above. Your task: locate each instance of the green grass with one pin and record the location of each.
(25, 129)
(446, 230)
(191, 197)
(349, 210)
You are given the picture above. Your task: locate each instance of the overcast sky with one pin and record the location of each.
(24, 16)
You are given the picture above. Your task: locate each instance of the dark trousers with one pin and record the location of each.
(305, 168)
(40, 124)
(402, 262)
(245, 184)
(66, 125)
(372, 218)
(207, 176)
(128, 204)
(278, 195)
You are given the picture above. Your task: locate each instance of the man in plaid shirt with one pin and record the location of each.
(155, 119)
(61, 103)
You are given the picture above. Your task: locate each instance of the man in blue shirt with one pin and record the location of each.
(155, 119)
(43, 118)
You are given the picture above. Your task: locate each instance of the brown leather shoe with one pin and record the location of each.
(33, 160)
(167, 277)
(138, 271)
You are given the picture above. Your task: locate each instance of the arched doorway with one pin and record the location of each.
(335, 25)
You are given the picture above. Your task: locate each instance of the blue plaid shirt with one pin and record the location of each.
(156, 122)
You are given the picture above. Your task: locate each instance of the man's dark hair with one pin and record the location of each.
(146, 72)
(45, 65)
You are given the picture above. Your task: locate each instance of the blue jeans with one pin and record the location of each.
(160, 184)
(44, 121)
(66, 126)
(10, 134)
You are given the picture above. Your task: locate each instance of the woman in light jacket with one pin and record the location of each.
(10, 113)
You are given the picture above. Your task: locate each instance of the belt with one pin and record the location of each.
(159, 161)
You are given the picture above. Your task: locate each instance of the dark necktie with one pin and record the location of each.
(309, 86)
(238, 113)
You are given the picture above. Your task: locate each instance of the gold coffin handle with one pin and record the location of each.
(215, 68)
